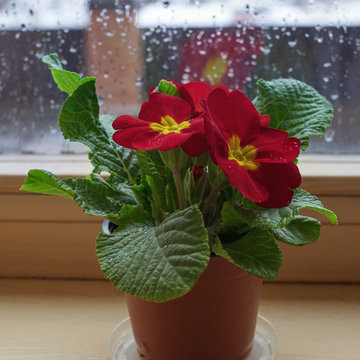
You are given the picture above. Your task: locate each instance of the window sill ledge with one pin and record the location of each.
(311, 165)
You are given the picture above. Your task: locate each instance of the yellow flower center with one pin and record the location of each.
(214, 70)
(168, 125)
(244, 156)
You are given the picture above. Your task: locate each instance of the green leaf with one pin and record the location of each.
(93, 194)
(67, 81)
(153, 172)
(168, 88)
(98, 198)
(44, 182)
(301, 231)
(256, 252)
(295, 107)
(302, 199)
(232, 222)
(126, 157)
(266, 219)
(79, 121)
(156, 263)
(131, 214)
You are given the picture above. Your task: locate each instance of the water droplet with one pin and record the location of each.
(110, 33)
(138, 81)
(265, 50)
(166, 4)
(17, 35)
(106, 74)
(329, 135)
(334, 97)
(101, 100)
(31, 12)
(292, 43)
(326, 79)
(327, 64)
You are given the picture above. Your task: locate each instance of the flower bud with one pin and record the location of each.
(197, 171)
(196, 184)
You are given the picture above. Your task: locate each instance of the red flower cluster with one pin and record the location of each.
(256, 159)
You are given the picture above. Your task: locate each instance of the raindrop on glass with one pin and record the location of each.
(101, 100)
(138, 81)
(110, 33)
(329, 135)
(166, 4)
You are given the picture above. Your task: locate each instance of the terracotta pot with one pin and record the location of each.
(214, 321)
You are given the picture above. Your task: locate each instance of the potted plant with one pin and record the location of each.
(199, 187)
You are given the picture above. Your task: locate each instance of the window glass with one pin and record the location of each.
(130, 45)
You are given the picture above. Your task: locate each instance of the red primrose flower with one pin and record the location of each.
(256, 160)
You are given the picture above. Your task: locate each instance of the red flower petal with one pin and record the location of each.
(234, 113)
(273, 146)
(137, 134)
(239, 177)
(194, 92)
(280, 179)
(196, 145)
(167, 111)
(162, 105)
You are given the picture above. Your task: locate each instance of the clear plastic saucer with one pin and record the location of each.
(122, 345)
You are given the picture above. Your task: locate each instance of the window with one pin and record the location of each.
(129, 46)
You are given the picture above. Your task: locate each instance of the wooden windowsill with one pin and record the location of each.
(56, 319)
(51, 237)
(309, 164)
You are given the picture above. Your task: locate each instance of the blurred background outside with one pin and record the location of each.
(130, 45)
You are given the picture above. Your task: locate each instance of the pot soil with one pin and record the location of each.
(214, 321)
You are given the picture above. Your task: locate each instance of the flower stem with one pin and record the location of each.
(179, 189)
(210, 200)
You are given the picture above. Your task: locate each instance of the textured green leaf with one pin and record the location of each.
(156, 263)
(93, 194)
(301, 231)
(79, 121)
(256, 252)
(302, 199)
(67, 81)
(295, 107)
(232, 222)
(167, 87)
(126, 157)
(131, 214)
(44, 182)
(153, 172)
(98, 198)
(263, 218)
